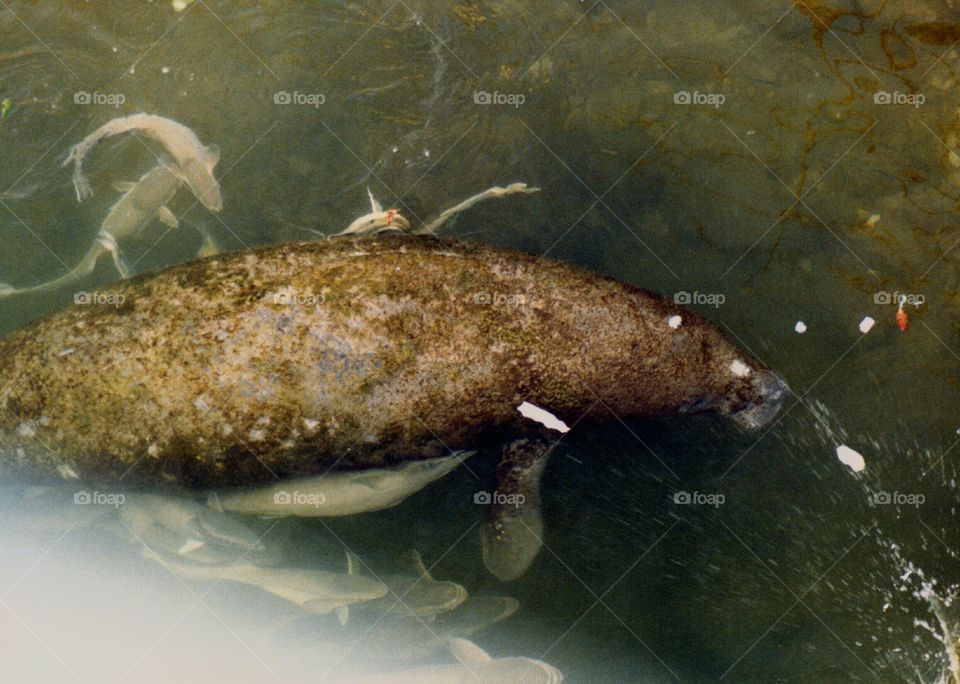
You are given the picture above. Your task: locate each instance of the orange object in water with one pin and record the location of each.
(902, 319)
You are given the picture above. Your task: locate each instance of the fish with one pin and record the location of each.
(376, 220)
(255, 367)
(140, 204)
(315, 591)
(337, 493)
(194, 161)
(178, 525)
(420, 596)
(474, 665)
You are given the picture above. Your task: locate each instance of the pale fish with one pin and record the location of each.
(315, 591)
(377, 219)
(183, 527)
(473, 665)
(399, 639)
(138, 206)
(420, 595)
(337, 493)
(195, 162)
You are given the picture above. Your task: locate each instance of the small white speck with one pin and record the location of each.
(528, 410)
(257, 435)
(114, 49)
(226, 429)
(873, 220)
(66, 352)
(263, 420)
(310, 424)
(153, 450)
(866, 324)
(800, 327)
(851, 458)
(395, 150)
(67, 473)
(426, 153)
(675, 321)
(739, 368)
(133, 70)
(165, 70)
(201, 404)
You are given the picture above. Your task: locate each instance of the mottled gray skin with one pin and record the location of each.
(361, 352)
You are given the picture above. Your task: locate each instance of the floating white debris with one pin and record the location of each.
(851, 458)
(675, 321)
(528, 410)
(739, 368)
(866, 324)
(165, 70)
(800, 327)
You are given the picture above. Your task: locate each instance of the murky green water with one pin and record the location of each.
(790, 159)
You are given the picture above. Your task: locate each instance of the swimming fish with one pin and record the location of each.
(474, 665)
(316, 591)
(194, 161)
(176, 525)
(138, 206)
(337, 493)
(420, 596)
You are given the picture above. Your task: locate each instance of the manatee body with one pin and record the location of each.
(357, 352)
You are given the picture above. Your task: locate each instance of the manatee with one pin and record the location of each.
(359, 352)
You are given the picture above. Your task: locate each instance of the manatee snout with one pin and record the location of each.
(770, 392)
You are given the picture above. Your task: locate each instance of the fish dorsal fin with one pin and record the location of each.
(419, 566)
(353, 563)
(213, 154)
(374, 204)
(466, 652)
(123, 186)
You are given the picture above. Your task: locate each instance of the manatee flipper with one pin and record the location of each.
(512, 534)
(166, 217)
